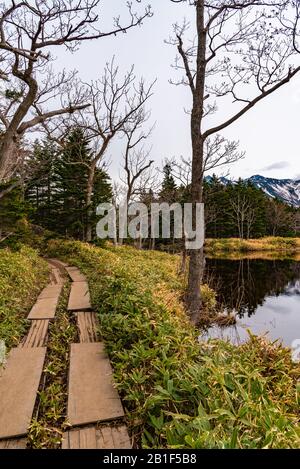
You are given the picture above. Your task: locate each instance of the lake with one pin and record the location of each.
(264, 294)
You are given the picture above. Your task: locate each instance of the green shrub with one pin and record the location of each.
(22, 275)
(180, 392)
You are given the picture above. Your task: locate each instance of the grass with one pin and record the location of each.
(275, 244)
(47, 427)
(180, 392)
(22, 275)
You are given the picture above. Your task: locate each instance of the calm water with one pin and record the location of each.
(264, 295)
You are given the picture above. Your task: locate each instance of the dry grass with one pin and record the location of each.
(269, 244)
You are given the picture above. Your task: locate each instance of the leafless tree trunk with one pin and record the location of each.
(234, 50)
(116, 109)
(243, 214)
(137, 164)
(28, 32)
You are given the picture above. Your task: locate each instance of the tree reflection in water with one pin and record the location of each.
(243, 285)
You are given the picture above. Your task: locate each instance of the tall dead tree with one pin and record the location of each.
(116, 106)
(29, 30)
(138, 177)
(136, 158)
(242, 54)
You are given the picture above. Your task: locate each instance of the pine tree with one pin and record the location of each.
(13, 212)
(168, 191)
(102, 193)
(71, 176)
(41, 187)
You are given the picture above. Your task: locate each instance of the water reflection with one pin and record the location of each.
(264, 294)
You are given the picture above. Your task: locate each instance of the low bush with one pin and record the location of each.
(22, 275)
(180, 392)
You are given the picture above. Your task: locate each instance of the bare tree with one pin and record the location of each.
(116, 107)
(243, 214)
(279, 217)
(137, 164)
(29, 30)
(136, 158)
(242, 53)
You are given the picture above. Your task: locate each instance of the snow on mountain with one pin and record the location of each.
(287, 190)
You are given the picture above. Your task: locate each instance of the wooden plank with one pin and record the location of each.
(44, 309)
(75, 274)
(92, 396)
(79, 299)
(13, 444)
(37, 335)
(57, 263)
(113, 438)
(19, 382)
(87, 325)
(97, 438)
(56, 278)
(51, 291)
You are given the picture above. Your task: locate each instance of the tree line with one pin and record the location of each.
(239, 54)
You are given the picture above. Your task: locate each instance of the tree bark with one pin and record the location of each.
(196, 255)
(89, 197)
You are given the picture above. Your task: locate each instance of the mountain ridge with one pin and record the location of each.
(286, 190)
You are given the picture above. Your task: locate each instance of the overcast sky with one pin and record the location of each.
(269, 134)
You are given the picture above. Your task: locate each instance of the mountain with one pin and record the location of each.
(287, 190)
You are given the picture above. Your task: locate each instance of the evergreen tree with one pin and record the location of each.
(13, 211)
(71, 176)
(102, 193)
(41, 188)
(57, 191)
(168, 191)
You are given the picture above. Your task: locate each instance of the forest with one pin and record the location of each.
(54, 197)
(183, 335)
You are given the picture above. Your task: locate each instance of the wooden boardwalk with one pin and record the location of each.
(19, 384)
(87, 325)
(92, 399)
(37, 335)
(79, 297)
(97, 438)
(21, 376)
(92, 396)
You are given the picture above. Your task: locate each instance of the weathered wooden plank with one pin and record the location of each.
(87, 325)
(44, 308)
(13, 444)
(113, 438)
(51, 291)
(97, 438)
(19, 382)
(79, 299)
(37, 335)
(75, 274)
(56, 278)
(57, 263)
(92, 396)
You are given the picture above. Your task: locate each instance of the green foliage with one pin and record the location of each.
(13, 213)
(168, 187)
(42, 185)
(58, 189)
(22, 276)
(242, 210)
(72, 175)
(179, 392)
